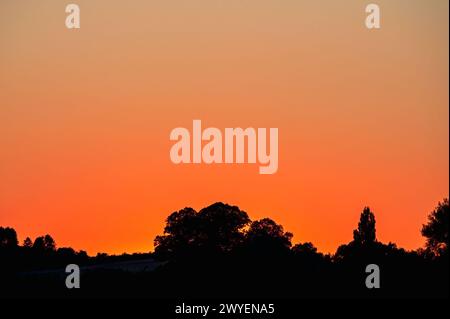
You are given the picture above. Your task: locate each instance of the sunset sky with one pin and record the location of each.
(85, 116)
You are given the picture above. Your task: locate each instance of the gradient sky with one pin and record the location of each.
(85, 115)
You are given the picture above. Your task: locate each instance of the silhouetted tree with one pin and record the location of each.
(436, 230)
(230, 256)
(82, 255)
(305, 249)
(364, 241)
(267, 236)
(44, 243)
(307, 254)
(223, 224)
(49, 243)
(180, 233)
(39, 243)
(365, 234)
(215, 228)
(8, 238)
(28, 243)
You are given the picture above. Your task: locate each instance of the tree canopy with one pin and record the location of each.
(8, 237)
(436, 230)
(216, 228)
(365, 233)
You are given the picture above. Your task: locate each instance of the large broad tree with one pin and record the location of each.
(218, 227)
(266, 235)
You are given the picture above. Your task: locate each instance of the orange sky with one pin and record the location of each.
(85, 115)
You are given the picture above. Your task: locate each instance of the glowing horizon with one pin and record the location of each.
(85, 116)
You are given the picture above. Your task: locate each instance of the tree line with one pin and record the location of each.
(220, 251)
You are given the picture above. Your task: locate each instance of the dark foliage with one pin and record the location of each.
(220, 252)
(436, 231)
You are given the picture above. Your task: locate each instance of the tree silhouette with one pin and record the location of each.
(219, 251)
(364, 243)
(66, 252)
(215, 228)
(28, 243)
(8, 238)
(266, 235)
(308, 255)
(180, 233)
(365, 234)
(44, 243)
(305, 249)
(222, 225)
(436, 230)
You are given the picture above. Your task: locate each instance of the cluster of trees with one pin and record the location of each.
(221, 228)
(8, 241)
(218, 229)
(220, 251)
(436, 231)
(41, 253)
(220, 244)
